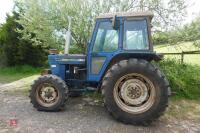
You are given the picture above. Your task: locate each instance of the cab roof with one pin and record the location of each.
(127, 15)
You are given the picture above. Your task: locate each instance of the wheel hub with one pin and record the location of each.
(134, 92)
(47, 95)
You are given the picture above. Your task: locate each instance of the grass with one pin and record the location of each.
(185, 46)
(184, 78)
(10, 74)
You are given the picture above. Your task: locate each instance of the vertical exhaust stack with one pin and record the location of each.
(68, 37)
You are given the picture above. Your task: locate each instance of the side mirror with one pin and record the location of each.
(114, 22)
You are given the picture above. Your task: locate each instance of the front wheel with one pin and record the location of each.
(48, 93)
(135, 91)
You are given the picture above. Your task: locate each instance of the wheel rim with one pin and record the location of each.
(134, 93)
(47, 95)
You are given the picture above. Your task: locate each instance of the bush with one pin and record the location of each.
(184, 78)
(31, 55)
(160, 38)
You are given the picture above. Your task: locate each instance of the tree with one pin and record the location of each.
(17, 51)
(47, 19)
(9, 40)
(189, 32)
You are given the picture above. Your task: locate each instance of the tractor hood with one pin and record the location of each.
(66, 59)
(59, 62)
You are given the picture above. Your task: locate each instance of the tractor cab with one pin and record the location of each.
(117, 36)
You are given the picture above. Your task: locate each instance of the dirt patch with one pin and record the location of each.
(19, 85)
(184, 110)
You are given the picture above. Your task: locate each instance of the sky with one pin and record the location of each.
(193, 9)
(6, 6)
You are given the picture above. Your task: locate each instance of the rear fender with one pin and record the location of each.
(149, 56)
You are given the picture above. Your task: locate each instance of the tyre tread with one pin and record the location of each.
(52, 79)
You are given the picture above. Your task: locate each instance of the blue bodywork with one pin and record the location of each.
(61, 64)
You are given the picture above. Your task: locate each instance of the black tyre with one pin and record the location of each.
(135, 91)
(49, 93)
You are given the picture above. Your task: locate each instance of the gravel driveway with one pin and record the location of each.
(82, 115)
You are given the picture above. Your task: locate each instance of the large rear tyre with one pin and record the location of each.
(135, 91)
(49, 93)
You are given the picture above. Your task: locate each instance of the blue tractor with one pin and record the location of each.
(118, 63)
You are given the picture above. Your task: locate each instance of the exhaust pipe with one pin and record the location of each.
(68, 37)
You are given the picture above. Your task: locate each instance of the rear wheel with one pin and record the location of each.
(135, 91)
(48, 93)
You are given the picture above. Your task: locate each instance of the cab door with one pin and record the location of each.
(104, 43)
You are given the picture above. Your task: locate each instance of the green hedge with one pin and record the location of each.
(184, 78)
